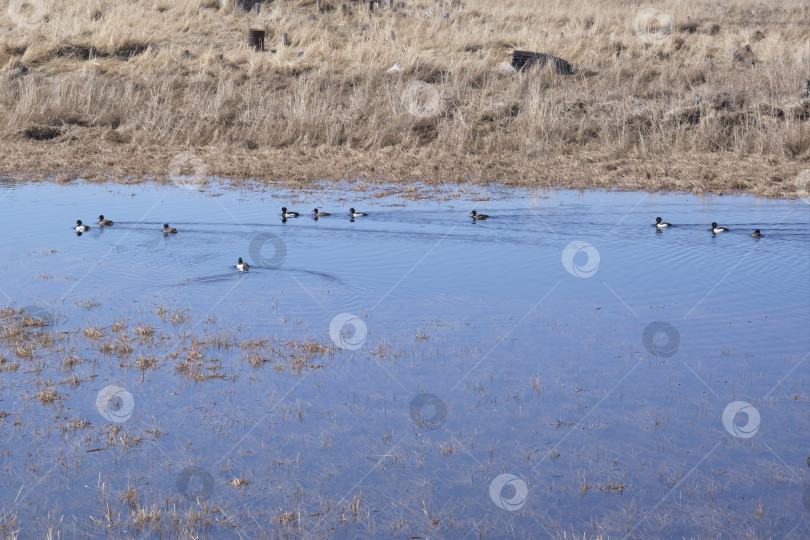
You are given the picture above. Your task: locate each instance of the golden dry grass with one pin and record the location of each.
(107, 90)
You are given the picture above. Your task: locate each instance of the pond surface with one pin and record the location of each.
(561, 368)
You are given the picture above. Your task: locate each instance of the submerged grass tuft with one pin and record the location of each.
(46, 396)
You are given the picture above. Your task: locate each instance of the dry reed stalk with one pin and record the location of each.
(111, 91)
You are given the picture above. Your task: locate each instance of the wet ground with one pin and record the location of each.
(561, 368)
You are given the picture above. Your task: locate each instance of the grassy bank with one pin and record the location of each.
(694, 96)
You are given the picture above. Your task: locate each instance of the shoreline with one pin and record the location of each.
(697, 99)
(697, 174)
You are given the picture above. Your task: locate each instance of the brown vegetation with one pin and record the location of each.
(702, 96)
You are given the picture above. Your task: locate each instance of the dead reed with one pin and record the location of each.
(698, 96)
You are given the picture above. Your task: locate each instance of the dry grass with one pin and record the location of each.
(72, 361)
(239, 483)
(144, 362)
(144, 330)
(82, 97)
(23, 335)
(286, 356)
(46, 396)
(119, 347)
(93, 332)
(6, 365)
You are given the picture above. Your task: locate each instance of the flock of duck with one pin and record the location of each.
(715, 228)
(242, 266)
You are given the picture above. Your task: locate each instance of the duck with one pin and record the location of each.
(320, 214)
(661, 224)
(286, 214)
(716, 229)
(756, 233)
(355, 214)
(476, 215)
(81, 227)
(167, 229)
(242, 265)
(104, 222)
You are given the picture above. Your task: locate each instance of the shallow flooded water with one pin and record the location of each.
(559, 369)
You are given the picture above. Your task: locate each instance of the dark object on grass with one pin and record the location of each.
(256, 39)
(42, 133)
(745, 55)
(524, 59)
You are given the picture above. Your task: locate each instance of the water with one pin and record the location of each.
(513, 346)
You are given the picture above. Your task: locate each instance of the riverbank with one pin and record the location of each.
(699, 98)
(701, 174)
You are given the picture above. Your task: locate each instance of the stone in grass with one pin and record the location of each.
(524, 59)
(505, 68)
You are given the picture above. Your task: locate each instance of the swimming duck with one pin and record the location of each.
(756, 233)
(104, 222)
(167, 229)
(286, 214)
(716, 229)
(321, 214)
(476, 215)
(242, 265)
(80, 227)
(355, 214)
(661, 224)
